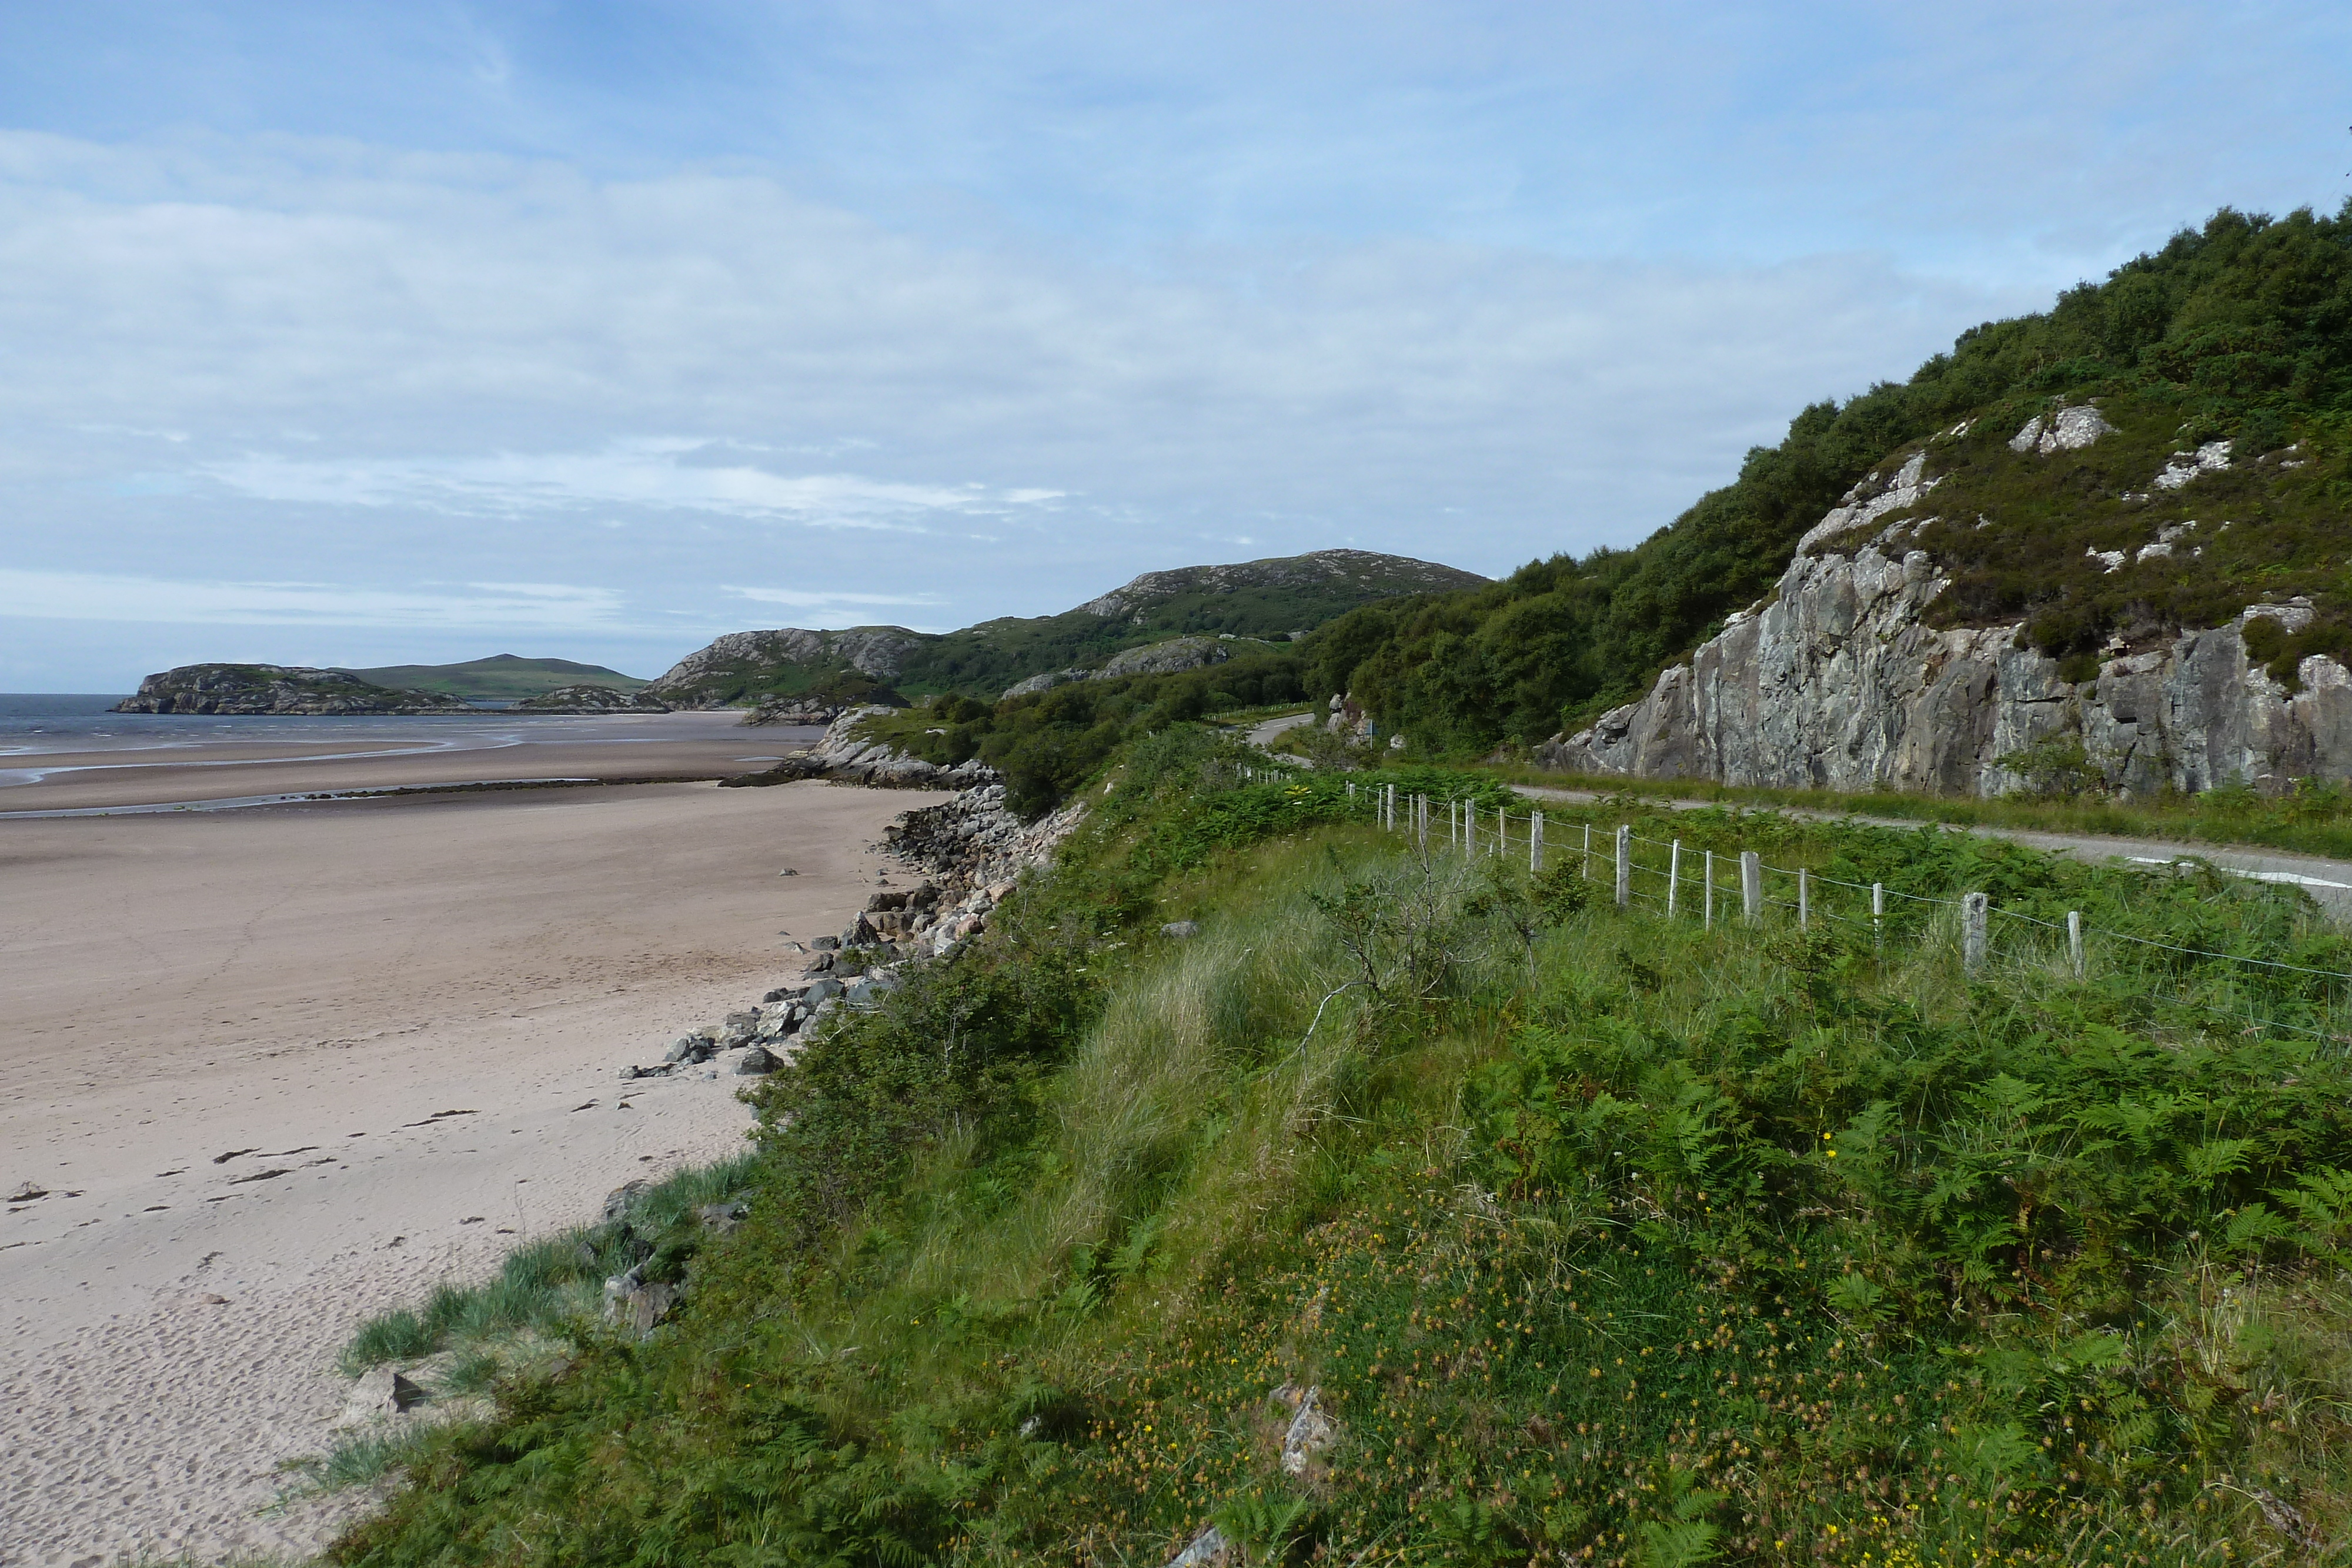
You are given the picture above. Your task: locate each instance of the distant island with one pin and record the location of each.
(255, 689)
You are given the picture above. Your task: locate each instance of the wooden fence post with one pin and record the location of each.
(1877, 916)
(1673, 875)
(1588, 852)
(1502, 830)
(1624, 866)
(1535, 845)
(1972, 933)
(1708, 906)
(1804, 899)
(1751, 886)
(2074, 940)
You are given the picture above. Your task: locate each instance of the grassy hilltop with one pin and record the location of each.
(1602, 1237)
(501, 677)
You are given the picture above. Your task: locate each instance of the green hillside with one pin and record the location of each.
(1599, 1238)
(502, 677)
(1255, 601)
(2241, 331)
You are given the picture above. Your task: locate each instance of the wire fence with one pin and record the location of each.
(1706, 886)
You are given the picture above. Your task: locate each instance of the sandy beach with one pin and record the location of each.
(280, 1069)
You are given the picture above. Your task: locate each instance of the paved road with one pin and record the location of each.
(1265, 734)
(2330, 882)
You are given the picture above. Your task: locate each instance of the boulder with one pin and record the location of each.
(632, 1303)
(1311, 1433)
(757, 1062)
(621, 1199)
(718, 1219)
(818, 990)
(1182, 930)
(1208, 1549)
(382, 1393)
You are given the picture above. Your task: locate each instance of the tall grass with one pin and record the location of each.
(1618, 1241)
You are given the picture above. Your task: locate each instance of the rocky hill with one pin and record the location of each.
(2103, 546)
(588, 699)
(277, 689)
(1273, 600)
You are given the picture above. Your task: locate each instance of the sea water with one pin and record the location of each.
(36, 722)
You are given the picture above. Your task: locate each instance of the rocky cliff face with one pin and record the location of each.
(1838, 682)
(257, 689)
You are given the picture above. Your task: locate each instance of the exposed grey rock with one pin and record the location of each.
(793, 711)
(2068, 430)
(1165, 658)
(826, 944)
(622, 1199)
(757, 1062)
(2183, 466)
(1311, 1432)
(633, 1304)
(1182, 930)
(382, 1393)
(1208, 1548)
(1044, 683)
(844, 756)
(1870, 500)
(1837, 682)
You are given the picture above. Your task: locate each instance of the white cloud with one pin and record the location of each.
(547, 608)
(650, 473)
(800, 599)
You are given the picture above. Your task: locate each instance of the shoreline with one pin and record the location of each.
(338, 1053)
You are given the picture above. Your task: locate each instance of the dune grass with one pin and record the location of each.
(543, 1287)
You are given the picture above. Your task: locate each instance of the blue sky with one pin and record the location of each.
(354, 333)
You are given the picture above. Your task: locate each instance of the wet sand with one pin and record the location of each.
(159, 771)
(413, 1011)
